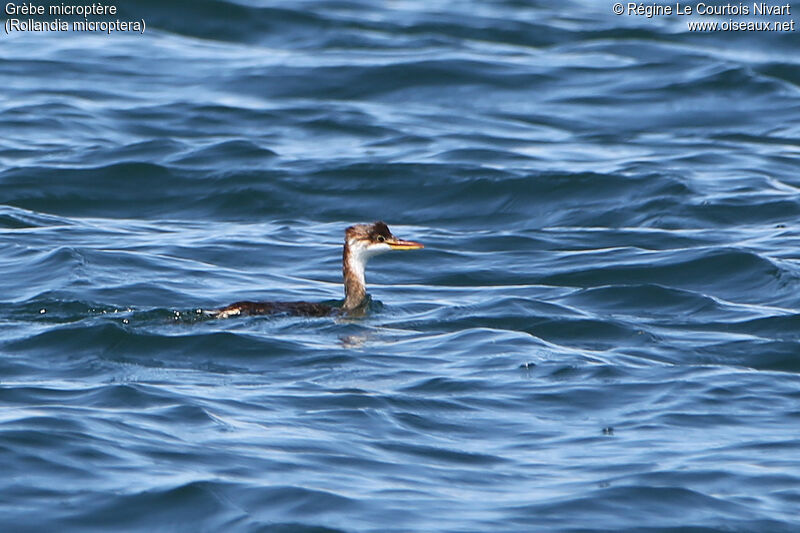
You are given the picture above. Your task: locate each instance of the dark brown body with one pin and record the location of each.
(278, 308)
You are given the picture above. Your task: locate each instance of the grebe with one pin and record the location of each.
(361, 242)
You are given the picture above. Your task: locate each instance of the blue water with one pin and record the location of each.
(602, 333)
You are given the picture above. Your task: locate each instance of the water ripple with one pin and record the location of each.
(599, 334)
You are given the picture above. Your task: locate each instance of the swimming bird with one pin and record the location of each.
(361, 242)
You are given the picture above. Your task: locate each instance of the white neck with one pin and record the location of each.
(354, 264)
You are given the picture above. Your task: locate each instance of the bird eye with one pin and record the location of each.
(381, 238)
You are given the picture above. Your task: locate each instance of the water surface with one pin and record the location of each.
(599, 335)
